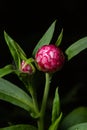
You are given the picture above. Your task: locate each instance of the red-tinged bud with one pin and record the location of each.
(26, 68)
(49, 58)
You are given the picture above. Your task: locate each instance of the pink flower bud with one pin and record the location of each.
(49, 58)
(26, 68)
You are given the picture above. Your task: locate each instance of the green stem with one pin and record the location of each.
(44, 101)
(31, 89)
(32, 92)
(34, 97)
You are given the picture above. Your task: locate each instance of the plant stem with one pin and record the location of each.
(44, 101)
(27, 80)
(34, 98)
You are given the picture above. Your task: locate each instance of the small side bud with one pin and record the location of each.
(26, 68)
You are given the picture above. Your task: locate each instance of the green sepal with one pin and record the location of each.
(46, 38)
(76, 48)
(59, 39)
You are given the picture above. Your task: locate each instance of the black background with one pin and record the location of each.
(22, 17)
(26, 21)
(29, 20)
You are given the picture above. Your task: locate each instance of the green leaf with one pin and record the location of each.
(76, 48)
(56, 106)
(81, 126)
(55, 124)
(59, 40)
(6, 70)
(46, 38)
(15, 95)
(15, 49)
(20, 127)
(78, 115)
(56, 116)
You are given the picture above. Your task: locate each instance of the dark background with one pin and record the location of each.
(23, 18)
(26, 21)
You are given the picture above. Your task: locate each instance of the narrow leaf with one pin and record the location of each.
(6, 70)
(46, 38)
(13, 94)
(78, 115)
(56, 116)
(20, 127)
(59, 40)
(56, 106)
(81, 126)
(55, 124)
(76, 48)
(15, 49)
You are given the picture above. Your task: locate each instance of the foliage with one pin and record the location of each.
(28, 100)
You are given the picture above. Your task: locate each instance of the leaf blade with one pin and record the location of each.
(46, 38)
(6, 70)
(56, 115)
(55, 124)
(81, 126)
(78, 115)
(13, 94)
(76, 48)
(15, 50)
(59, 40)
(56, 106)
(20, 127)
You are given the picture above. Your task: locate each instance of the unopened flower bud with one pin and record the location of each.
(49, 58)
(26, 68)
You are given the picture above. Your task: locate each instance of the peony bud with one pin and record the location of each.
(26, 68)
(49, 58)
